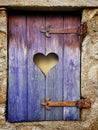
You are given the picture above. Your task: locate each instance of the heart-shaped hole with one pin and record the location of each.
(45, 63)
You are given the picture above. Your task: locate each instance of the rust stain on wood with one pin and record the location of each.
(72, 43)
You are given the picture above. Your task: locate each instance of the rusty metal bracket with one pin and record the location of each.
(82, 30)
(82, 103)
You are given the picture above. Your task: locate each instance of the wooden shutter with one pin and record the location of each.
(27, 85)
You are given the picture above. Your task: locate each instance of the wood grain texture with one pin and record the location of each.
(54, 78)
(28, 86)
(71, 68)
(36, 79)
(17, 91)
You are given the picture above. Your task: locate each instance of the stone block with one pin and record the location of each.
(48, 3)
(3, 42)
(30, 128)
(2, 98)
(94, 50)
(88, 14)
(93, 74)
(2, 109)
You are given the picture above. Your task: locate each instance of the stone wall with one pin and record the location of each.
(89, 80)
(3, 64)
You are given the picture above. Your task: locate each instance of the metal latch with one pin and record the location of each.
(81, 30)
(82, 103)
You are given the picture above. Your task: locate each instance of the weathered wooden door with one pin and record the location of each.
(28, 86)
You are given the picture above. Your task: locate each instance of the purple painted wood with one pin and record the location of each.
(17, 84)
(36, 79)
(71, 68)
(54, 78)
(28, 86)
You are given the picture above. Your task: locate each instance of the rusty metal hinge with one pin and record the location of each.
(82, 103)
(81, 30)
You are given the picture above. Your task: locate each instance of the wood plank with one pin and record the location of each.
(71, 68)
(36, 79)
(17, 81)
(55, 77)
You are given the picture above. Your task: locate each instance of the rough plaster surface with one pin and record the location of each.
(3, 64)
(49, 3)
(89, 80)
